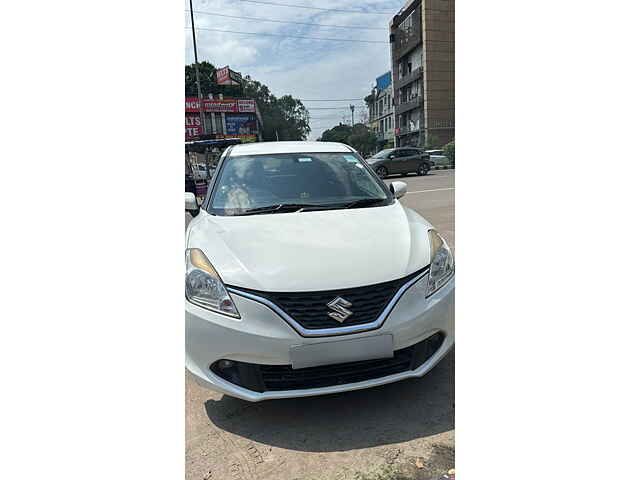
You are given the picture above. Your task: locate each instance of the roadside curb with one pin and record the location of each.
(443, 167)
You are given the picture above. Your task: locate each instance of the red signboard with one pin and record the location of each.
(246, 106)
(226, 76)
(223, 76)
(226, 105)
(192, 126)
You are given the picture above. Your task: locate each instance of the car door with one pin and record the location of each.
(407, 159)
(413, 160)
(394, 164)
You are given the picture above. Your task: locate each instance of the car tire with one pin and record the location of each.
(382, 172)
(423, 169)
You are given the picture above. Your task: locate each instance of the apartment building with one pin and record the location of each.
(381, 118)
(422, 37)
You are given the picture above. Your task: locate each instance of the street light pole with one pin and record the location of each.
(195, 52)
(352, 122)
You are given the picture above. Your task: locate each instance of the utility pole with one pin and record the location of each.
(352, 122)
(195, 52)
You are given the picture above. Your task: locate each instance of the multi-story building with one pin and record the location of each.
(422, 37)
(381, 118)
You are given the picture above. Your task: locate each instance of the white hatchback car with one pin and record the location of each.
(306, 276)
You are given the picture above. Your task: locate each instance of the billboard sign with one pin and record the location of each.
(226, 76)
(192, 126)
(241, 124)
(227, 105)
(247, 106)
(383, 81)
(220, 105)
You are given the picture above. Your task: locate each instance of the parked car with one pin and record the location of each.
(305, 276)
(438, 157)
(400, 160)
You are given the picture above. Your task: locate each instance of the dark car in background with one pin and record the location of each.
(401, 160)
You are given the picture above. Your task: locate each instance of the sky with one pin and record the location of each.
(304, 68)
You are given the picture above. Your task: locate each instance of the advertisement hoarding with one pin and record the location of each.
(227, 105)
(192, 126)
(240, 124)
(226, 76)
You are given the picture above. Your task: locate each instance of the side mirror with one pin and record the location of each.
(391, 157)
(399, 189)
(191, 204)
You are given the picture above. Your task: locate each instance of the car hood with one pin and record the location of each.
(309, 251)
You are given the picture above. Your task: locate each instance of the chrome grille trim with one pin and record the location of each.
(326, 332)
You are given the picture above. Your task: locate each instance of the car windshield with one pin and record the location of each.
(382, 153)
(279, 183)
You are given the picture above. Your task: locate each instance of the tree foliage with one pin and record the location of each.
(450, 151)
(283, 118)
(432, 142)
(359, 137)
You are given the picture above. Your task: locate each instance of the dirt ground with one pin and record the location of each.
(329, 437)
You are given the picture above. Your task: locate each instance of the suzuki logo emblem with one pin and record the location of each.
(339, 306)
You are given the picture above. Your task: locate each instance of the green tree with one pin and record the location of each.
(284, 118)
(433, 142)
(340, 133)
(450, 151)
(359, 137)
(362, 139)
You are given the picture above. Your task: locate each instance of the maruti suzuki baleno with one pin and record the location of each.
(305, 276)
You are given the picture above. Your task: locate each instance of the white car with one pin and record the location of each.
(437, 157)
(306, 276)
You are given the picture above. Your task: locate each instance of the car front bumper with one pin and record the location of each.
(261, 336)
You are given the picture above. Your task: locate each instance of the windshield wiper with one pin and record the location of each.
(364, 202)
(280, 208)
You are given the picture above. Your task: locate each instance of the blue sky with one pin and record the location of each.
(306, 69)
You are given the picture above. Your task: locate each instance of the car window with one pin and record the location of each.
(329, 180)
(383, 153)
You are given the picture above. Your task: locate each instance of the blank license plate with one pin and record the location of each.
(342, 351)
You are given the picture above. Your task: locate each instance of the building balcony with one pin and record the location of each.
(403, 43)
(407, 79)
(416, 102)
(407, 130)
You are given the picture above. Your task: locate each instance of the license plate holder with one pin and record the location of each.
(341, 351)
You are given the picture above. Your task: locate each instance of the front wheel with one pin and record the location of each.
(423, 169)
(382, 172)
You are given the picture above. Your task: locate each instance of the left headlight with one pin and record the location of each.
(204, 287)
(442, 268)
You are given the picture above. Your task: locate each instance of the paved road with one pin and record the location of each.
(334, 436)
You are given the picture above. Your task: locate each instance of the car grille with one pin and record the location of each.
(270, 378)
(310, 310)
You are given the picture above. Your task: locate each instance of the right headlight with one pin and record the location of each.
(441, 268)
(204, 287)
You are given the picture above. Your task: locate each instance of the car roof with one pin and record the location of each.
(262, 148)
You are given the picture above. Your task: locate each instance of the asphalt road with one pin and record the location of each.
(332, 436)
